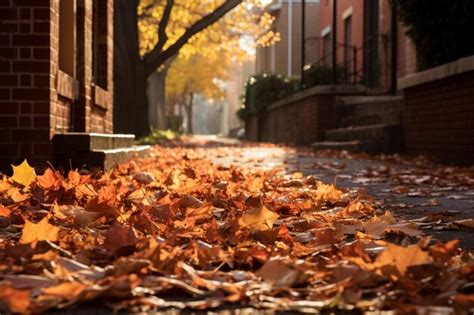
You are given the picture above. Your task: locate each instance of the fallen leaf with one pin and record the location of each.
(467, 223)
(65, 290)
(329, 193)
(144, 178)
(104, 201)
(119, 236)
(4, 212)
(49, 179)
(23, 174)
(259, 219)
(41, 231)
(279, 274)
(395, 260)
(18, 301)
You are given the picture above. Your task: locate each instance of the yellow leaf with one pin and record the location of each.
(329, 193)
(23, 174)
(41, 231)
(260, 219)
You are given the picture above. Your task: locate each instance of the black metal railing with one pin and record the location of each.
(363, 65)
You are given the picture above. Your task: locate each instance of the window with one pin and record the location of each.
(348, 49)
(99, 42)
(67, 36)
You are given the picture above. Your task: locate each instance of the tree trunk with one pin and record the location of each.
(189, 114)
(130, 81)
(156, 100)
(157, 97)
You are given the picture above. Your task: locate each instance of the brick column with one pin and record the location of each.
(25, 80)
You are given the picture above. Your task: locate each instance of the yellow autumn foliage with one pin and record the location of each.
(248, 20)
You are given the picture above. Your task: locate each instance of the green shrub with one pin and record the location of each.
(322, 75)
(440, 29)
(159, 136)
(264, 89)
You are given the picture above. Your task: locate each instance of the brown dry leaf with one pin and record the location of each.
(259, 219)
(357, 209)
(395, 260)
(388, 223)
(119, 236)
(41, 231)
(467, 223)
(104, 201)
(444, 252)
(18, 301)
(278, 273)
(23, 174)
(65, 290)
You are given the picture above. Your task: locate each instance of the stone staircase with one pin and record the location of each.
(94, 150)
(369, 124)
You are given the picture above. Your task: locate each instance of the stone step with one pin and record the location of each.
(102, 159)
(387, 118)
(85, 142)
(389, 137)
(368, 105)
(351, 146)
(372, 132)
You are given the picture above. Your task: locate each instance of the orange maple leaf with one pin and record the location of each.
(41, 231)
(49, 179)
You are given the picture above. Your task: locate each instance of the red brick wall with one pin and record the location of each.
(37, 100)
(406, 57)
(439, 118)
(326, 12)
(25, 81)
(299, 122)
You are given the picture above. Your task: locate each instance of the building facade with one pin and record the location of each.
(56, 71)
(365, 37)
(285, 56)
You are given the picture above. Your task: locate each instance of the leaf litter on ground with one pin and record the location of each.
(176, 231)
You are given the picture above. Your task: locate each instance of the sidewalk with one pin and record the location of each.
(432, 194)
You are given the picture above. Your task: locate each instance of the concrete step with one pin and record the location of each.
(368, 105)
(80, 141)
(388, 137)
(351, 146)
(393, 117)
(102, 159)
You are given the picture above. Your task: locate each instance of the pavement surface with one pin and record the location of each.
(434, 195)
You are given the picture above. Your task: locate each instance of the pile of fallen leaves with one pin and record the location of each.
(175, 231)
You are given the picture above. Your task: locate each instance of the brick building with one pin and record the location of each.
(56, 71)
(364, 41)
(285, 56)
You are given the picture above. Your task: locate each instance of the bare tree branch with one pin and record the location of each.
(156, 58)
